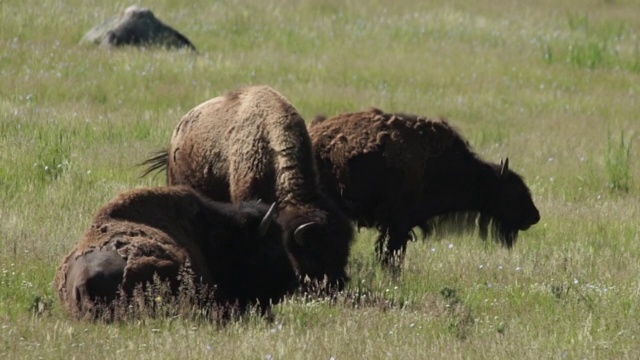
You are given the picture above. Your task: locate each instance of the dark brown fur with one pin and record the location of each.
(253, 144)
(147, 233)
(398, 171)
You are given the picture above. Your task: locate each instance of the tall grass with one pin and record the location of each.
(74, 121)
(592, 45)
(619, 163)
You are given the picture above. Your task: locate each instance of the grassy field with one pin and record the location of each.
(554, 85)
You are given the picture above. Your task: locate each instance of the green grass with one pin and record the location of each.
(552, 85)
(619, 163)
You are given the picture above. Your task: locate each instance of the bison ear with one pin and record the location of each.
(298, 235)
(504, 166)
(266, 220)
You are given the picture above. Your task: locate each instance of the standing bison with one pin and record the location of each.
(253, 144)
(145, 235)
(398, 171)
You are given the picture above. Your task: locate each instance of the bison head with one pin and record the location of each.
(318, 239)
(246, 256)
(510, 205)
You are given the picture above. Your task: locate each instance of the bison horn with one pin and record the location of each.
(504, 166)
(298, 235)
(266, 220)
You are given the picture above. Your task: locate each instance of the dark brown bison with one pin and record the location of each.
(253, 144)
(153, 234)
(136, 26)
(398, 171)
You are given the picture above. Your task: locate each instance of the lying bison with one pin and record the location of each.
(398, 171)
(136, 26)
(253, 144)
(146, 235)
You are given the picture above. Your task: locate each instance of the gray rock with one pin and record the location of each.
(136, 26)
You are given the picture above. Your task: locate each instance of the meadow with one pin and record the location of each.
(553, 85)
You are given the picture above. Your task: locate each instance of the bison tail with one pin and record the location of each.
(157, 163)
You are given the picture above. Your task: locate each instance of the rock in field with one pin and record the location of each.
(136, 26)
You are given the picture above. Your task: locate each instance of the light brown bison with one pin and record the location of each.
(152, 234)
(398, 171)
(253, 144)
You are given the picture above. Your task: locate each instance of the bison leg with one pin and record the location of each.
(396, 246)
(483, 226)
(93, 278)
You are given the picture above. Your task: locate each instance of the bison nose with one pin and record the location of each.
(533, 219)
(536, 217)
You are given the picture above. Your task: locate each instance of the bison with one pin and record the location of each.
(151, 234)
(253, 144)
(398, 171)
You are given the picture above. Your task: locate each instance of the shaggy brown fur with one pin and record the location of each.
(253, 144)
(156, 232)
(398, 171)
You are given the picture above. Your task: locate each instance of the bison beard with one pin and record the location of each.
(233, 255)
(398, 171)
(253, 144)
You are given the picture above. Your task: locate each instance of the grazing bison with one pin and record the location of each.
(253, 144)
(137, 27)
(398, 171)
(149, 234)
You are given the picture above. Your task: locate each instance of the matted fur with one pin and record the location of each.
(398, 171)
(145, 234)
(253, 144)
